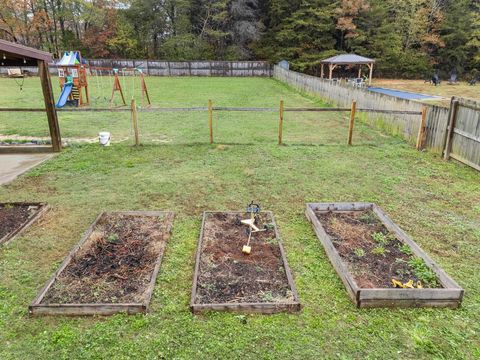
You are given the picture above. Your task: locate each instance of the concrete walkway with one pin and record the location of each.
(13, 165)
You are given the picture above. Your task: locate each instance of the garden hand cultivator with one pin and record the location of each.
(253, 209)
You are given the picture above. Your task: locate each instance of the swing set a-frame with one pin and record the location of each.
(117, 87)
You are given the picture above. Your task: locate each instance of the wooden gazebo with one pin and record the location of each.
(15, 55)
(348, 59)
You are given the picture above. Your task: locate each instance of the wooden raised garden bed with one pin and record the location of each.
(369, 251)
(113, 269)
(226, 279)
(15, 217)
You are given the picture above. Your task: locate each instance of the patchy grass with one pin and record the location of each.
(462, 89)
(436, 202)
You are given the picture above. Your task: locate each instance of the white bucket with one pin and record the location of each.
(104, 138)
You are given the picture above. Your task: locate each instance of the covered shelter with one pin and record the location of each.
(347, 59)
(16, 55)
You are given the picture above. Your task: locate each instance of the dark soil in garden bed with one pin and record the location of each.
(13, 216)
(115, 264)
(229, 276)
(372, 253)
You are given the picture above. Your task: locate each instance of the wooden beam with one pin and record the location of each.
(370, 66)
(451, 126)
(210, 119)
(330, 67)
(321, 71)
(135, 122)
(352, 122)
(280, 123)
(359, 71)
(50, 105)
(422, 129)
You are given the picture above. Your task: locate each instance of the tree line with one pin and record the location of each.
(409, 38)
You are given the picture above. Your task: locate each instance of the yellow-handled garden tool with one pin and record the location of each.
(253, 209)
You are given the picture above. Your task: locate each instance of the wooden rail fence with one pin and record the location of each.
(134, 110)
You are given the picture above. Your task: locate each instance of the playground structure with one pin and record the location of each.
(72, 74)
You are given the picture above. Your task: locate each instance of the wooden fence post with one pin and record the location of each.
(135, 122)
(50, 105)
(280, 123)
(210, 119)
(451, 126)
(352, 121)
(421, 130)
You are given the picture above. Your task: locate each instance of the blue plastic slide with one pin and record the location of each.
(62, 100)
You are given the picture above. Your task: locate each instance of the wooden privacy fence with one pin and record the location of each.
(462, 140)
(174, 68)
(461, 143)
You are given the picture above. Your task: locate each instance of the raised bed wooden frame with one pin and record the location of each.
(43, 208)
(36, 308)
(449, 296)
(261, 307)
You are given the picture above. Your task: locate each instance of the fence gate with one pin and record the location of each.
(462, 140)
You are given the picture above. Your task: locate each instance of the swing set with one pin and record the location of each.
(116, 85)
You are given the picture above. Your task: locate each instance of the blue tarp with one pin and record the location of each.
(403, 94)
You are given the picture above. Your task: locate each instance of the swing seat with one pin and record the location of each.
(15, 73)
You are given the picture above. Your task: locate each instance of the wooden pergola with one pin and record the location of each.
(348, 59)
(16, 55)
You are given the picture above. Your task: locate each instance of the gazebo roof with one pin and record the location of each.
(347, 59)
(12, 54)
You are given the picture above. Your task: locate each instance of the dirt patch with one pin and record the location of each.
(13, 216)
(115, 264)
(372, 253)
(227, 275)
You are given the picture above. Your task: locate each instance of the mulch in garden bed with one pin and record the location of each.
(14, 216)
(373, 254)
(226, 275)
(116, 263)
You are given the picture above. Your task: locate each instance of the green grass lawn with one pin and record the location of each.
(436, 202)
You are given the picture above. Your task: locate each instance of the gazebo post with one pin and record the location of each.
(321, 71)
(360, 71)
(50, 105)
(330, 68)
(371, 73)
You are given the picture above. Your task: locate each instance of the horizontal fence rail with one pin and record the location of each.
(215, 108)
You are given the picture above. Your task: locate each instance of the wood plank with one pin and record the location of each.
(465, 161)
(340, 206)
(288, 272)
(86, 309)
(49, 101)
(467, 135)
(333, 255)
(425, 294)
(409, 303)
(169, 217)
(248, 308)
(451, 126)
(197, 260)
